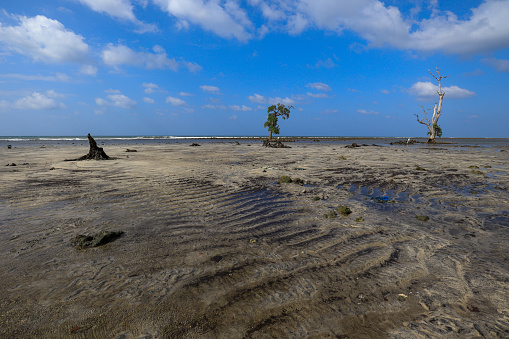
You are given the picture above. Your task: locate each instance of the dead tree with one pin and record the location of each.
(95, 152)
(434, 128)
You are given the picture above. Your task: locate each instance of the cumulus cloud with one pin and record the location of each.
(501, 65)
(240, 108)
(224, 18)
(384, 25)
(88, 70)
(319, 86)
(384, 91)
(260, 99)
(57, 77)
(118, 100)
(318, 95)
(55, 95)
(214, 107)
(120, 9)
(122, 55)
(363, 111)
(36, 101)
(185, 94)
(428, 91)
(257, 98)
(278, 100)
(210, 89)
(192, 66)
(149, 87)
(148, 100)
(44, 39)
(175, 101)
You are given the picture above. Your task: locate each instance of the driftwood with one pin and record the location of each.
(95, 152)
(274, 144)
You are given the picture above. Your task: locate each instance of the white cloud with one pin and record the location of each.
(211, 89)
(233, 117)
(57, 77)
(120, 9)
(383, 25)
(175, 101)
(185, 94)
(277, 100)
(362, 111)
(318, 95)
(149, 87)
(148, 100)
(260, 99)
(240, 108)
(327, 63)
(224, 18)
(118, 100)
(384, 91)
(319, 86)
(428, 91)
(192, 66)
(52, 94)
(112, 91)
(88, 70)
(122, 55)
(501, 65)
(214, 107)
(44, 39)
(36, 101)
(257, 98)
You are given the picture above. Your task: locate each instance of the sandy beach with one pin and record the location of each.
(214, 247)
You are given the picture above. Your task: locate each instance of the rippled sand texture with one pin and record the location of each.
(213, 248)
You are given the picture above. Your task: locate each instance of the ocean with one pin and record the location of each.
(23, 141)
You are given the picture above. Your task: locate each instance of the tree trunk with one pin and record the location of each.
(270, 136)
(96, 153)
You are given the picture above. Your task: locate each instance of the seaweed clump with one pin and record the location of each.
(343, 210)
(422, 217)
(98, 239)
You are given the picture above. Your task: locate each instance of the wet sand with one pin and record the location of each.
(215, 248)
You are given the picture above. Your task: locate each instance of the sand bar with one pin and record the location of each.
(213, 247)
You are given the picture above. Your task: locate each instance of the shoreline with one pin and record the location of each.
(214, 247)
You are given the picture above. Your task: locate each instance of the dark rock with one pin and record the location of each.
(131, 150)
(9, 146)
(422, 217)
(195, 144)
(12, 164)
(98, 239)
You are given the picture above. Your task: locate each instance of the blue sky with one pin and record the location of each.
(198, 67)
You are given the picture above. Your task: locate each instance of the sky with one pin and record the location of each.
(213, 67)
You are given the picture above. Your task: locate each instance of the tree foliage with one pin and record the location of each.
(274, 112)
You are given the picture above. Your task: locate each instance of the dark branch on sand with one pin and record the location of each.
(95, 152)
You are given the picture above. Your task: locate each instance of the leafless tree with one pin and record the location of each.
(434, 128)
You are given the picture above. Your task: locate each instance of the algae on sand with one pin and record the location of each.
(98, 239)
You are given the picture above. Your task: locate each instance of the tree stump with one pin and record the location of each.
(96, 153)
